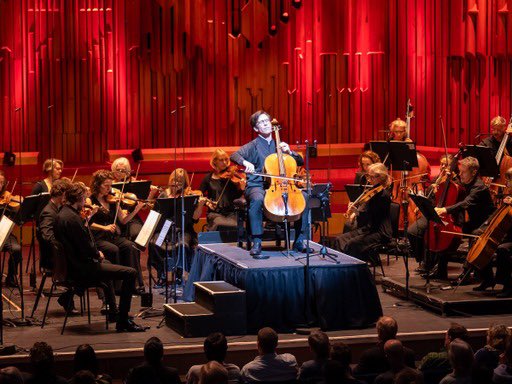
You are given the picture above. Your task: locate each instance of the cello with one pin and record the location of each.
(448, 194)
(283, 201)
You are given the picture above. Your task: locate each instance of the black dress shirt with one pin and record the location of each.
(255, 152)
(477, 203)
(494, 144)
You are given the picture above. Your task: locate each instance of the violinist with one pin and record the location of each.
(52, 168)
(477, 203)
(11, 244)
(374, 220)
(85, 263)
(416, 231)
(252, 156)
(366, 159)
(178, 184)
(117, 249)
(48, 243)
(503, 258)
(122, 170)
(498, 130)
(221, 187)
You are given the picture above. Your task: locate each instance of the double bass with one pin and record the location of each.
(504, 161)
(413, 180)
(283, 199)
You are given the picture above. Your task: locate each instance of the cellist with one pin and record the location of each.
(503, 257)
(252, 156)
(498, 130)
(477, 203)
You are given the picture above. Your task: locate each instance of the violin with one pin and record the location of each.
(363, 198)
(10, 201)
(232, 173)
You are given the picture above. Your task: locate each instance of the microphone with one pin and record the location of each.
(50, 106)
(17, 109)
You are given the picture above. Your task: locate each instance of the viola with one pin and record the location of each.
(10, 201)
(232, 173)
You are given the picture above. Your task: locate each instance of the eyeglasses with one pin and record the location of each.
(264, 121)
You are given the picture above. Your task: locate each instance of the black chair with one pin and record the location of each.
(271, 230)
(60, 278)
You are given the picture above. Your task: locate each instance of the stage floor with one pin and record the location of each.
(417, 327)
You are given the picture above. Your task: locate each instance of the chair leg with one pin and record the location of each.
(88, 306)
(39, 294)
(68, 309)
(48, 304)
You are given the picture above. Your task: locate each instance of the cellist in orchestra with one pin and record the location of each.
(252, 156)
(498, 130)
(374, 220)
(503, 257)
(121, 170)
(11, 246)
(416, 231)
(222, 188)
(477, 203)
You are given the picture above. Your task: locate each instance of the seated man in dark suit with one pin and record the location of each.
(86, 264)
(373, 360)
(153, 370)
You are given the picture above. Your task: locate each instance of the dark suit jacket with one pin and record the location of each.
(81, 253)
(146, 373)
(374, 360)
(46, 233)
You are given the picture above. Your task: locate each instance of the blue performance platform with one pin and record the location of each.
(341, 296)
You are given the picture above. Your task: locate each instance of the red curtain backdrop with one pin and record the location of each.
(92, 75)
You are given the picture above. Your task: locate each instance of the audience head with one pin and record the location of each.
(213, 373)
(461, 357)
(341, 353)
(83, 377)
(456, 331)
(394, 351)
(409, 376)
(85, 359)
(333, 372)
(267, 340)
(41, 357)
(216, 347)
(154, 351)
(387, 328)
(10, 375)
(319, 344)
(497, 336)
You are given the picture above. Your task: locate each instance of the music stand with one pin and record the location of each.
(354, 191)
(180, 211)
(426, 207)
(381, 148)
(486, 160)
(140, 188)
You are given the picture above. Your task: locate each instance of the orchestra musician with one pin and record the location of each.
(416, 231)
(503, 258)
(86, 263)
(52, 168)
(477, 203)
(48, 243)
(374, 220)
(366, 159)
(178, 184)
(122, 170)
(222, 187)
(398, 130)
(252, 156)
(498, 130)
(117, 249)
(11, 246)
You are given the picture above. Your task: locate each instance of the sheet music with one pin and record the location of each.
(6, 226)
(148, 229)
(163, 233)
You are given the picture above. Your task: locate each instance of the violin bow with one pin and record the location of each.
(73, 178)
(137, 171)
(118, 204)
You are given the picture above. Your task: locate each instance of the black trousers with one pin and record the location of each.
(255, 197)
(359, 242)
(132, 228)
(121, 251)
(156, 255)
(106, 272)
(503, 266)
(416, 236)
(14, 249)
